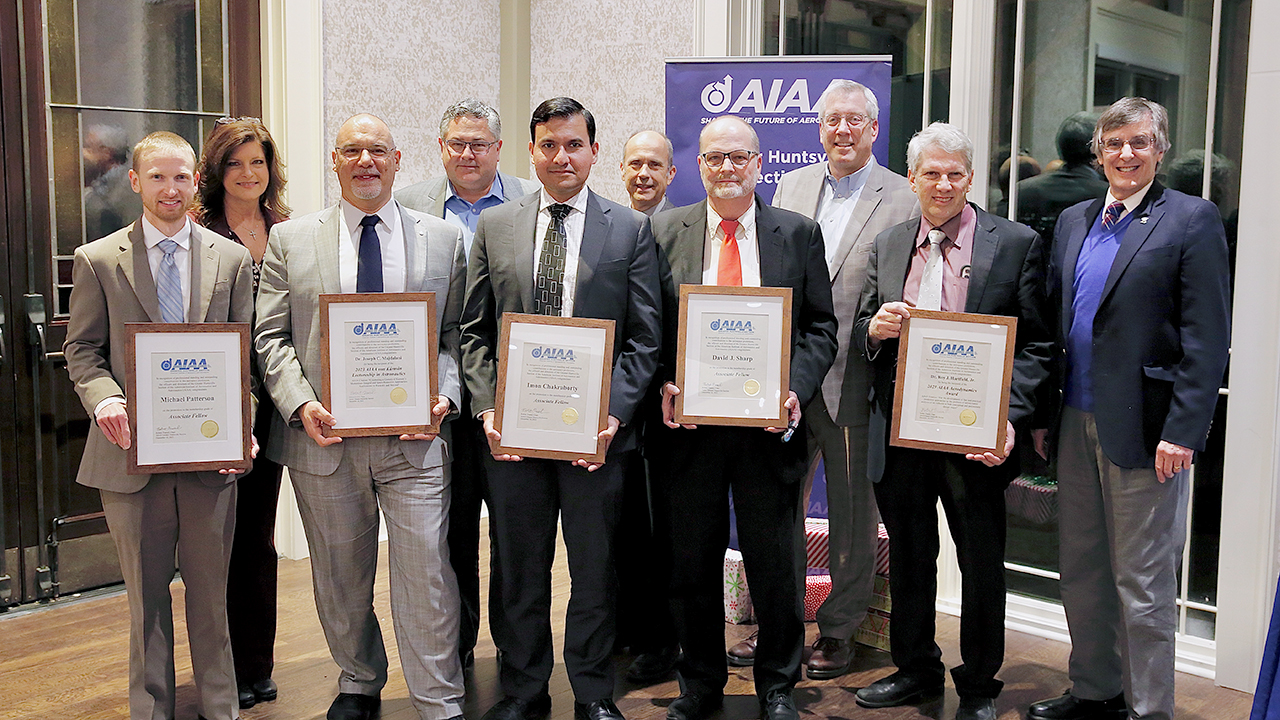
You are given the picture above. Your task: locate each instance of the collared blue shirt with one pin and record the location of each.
(836, 204)
(1092, 268)
(465, 215)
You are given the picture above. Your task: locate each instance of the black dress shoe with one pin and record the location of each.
(514, 708)
(976, 708)
(898, 689)
(265, 690)
(598, 710)
(1070, 707)
(779, 706)
(650, 667)
(245, 694)
(694, 705)
(350, 706)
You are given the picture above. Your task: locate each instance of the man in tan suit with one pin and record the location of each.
(367, 242)
(162, 268)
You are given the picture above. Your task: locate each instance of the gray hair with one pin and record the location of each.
(671, 151)
(943, 136)
(841, 87)
(1129, 110)
(472, 108)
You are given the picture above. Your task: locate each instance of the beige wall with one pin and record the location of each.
(406, 61)
(609, 55)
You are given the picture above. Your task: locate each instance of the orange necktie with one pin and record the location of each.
(729, 271)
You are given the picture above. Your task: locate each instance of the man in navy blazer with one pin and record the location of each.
(1140, 279)
(954, 258)
(607, 269)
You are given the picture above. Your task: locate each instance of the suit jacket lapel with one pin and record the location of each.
(595, 231)
(686, 256)
(983, 255)
(136, 269)
(901, 245)
(1145, 218)
(769, 245)
(415, 251)
(1075, 235)
(328, 236)
(523, 232)
(204, 275)
(867, 202)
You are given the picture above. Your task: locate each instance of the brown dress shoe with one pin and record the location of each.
(831, 658)
(744, 653)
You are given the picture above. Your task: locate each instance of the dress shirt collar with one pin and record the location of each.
(1130, 203)
(577, 202)
(495, 192)
(388, 217)
(746, 223)
(152, 235)
(849, 184)
(954, 228)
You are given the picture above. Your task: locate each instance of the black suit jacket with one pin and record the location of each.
(617, 280)
(1162, 330)
(1041, 199)
(1006, 278)
(791, 255)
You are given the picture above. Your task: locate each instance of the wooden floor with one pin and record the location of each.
(69, 662)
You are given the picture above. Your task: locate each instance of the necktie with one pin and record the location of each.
(549, 293)
(1111, 215)
(369, 260)
(169, 284)
(729, 271)
(930, 297)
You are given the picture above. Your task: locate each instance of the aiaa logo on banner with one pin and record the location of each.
(717, 97)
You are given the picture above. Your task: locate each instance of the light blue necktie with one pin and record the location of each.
(169, 284)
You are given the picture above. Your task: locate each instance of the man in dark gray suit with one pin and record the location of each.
(470, 139)
(367, 243)
(121, 279)
(565, 252)
(734, 239)
(955, 258)
(648, 167)
(853, 198)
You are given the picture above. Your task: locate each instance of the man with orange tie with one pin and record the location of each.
(733, 238)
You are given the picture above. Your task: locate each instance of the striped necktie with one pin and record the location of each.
(1111, 215)
(169, 284)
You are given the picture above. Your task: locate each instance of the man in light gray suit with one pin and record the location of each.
(648, 167)
(853, 198)
(367, 243)
(162, 268)
(470, 138)
(563, 252)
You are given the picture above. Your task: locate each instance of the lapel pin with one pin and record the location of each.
(1143, 221)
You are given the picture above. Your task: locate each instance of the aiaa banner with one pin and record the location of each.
(775, 95)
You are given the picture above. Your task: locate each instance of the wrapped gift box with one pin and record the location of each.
(882, 552)
(874, 630)
(737, 599)
(880, 595)
(816, 590)
(1033, 498)
(817, 543)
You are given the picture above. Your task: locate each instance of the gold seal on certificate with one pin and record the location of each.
(734, 355)
(379, 363)
(553, 386)
(187, 386)
(953, 382)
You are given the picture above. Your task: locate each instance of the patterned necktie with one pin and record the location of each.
(549, 293)
(729, 270)
(1111, 215)
(169, 284)
(369, 261)
(930, 297)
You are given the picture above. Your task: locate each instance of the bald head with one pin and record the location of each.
(366, 160)
(731, 124)
(647, 168)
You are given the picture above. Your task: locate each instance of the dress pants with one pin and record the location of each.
(698, 468)
(1122, 534)
(972, 497)
(527, 497)
(644, 614)
(251, 580)
(468, 489)
(176, 511)
(851, 511)
(340, 517)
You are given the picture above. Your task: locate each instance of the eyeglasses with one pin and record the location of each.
(245, 118)
(1136, 143)
(739, 158)
(478, 147)
(354, 152)
(855, 121)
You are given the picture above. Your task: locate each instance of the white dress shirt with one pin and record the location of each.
(390, 237)
(574, 223)
(748, 248)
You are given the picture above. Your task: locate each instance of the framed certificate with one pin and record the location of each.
(379, 364)
(733, 358)
(553, 386)
(954, 371)
(188, 390)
